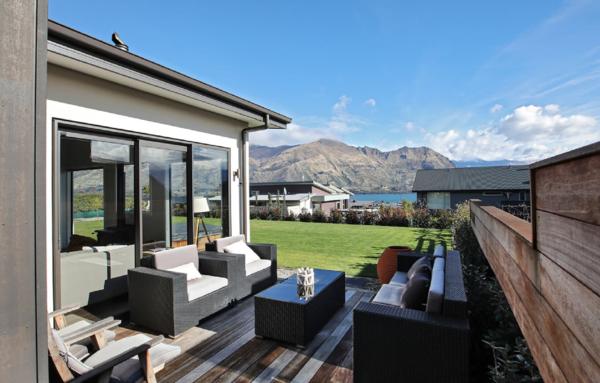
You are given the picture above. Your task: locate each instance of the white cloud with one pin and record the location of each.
(370, 102)
(336, 126)
(496, 108)
(528, 133)
(409, 126)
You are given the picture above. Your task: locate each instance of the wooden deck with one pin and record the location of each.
(224, 348)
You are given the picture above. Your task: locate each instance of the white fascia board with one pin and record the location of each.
(329, 197)
(82, 62)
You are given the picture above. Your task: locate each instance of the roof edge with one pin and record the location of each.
(68, 36)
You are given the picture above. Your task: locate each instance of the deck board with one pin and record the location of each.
(229, 351)
(224, 348)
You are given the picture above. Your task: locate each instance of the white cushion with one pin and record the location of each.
(389, 294)
(241, 248)
(399, 279)
(189, 269)
(159, 354)
(205, 285)
(256, 266)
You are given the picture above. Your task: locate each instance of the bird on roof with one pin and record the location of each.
(119, 43)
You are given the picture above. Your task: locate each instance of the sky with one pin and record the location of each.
(475, 80)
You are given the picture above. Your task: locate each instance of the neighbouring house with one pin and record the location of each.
(494, 185)
(131, 147)
(299, 196)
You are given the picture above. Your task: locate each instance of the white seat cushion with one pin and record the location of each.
(159, 354)
(257, 266)
(389, 294)
(399, 279)
(204, 285)
(241, 248)
(189, 269)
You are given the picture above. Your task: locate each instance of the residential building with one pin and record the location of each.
(131, 144)
(300, 196)
(493, 185)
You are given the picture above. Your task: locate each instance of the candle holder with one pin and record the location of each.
(305, 281)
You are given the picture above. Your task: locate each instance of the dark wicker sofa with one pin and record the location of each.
(252, 279)
(164, 301)
(392, 343)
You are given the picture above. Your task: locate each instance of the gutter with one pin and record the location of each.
(74, 39)
(245, 176)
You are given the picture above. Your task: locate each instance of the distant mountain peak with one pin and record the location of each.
(363, 168)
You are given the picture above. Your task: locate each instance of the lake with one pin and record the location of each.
(385, 197)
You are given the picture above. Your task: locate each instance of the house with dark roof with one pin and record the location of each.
(493, 185)
(299, 196)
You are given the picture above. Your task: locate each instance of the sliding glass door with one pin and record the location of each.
(97, 230)
(164, 195)
(119, 196)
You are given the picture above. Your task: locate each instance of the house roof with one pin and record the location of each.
(74, 39)
(478, 178)
(328, 188)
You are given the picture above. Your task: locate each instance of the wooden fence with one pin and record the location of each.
(550, 269)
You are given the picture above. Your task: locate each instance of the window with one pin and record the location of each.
(211, 187)
(164, 195)
(96, 227)
(438, 200)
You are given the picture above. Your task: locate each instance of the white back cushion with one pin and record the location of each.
(167, 259)
(241, 248)
(189, 269)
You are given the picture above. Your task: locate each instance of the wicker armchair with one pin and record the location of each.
(166, 302)
(392, 343)
(250, 281)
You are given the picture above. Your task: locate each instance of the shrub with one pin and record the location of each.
(274, 214)
(498, 351)
(305, 217)
(319, 216)
(441, 219)
(336, 216)
(421, 217)
(353, 218)
(369, 218)
(290, 217)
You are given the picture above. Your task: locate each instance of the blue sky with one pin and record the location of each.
(488, 80)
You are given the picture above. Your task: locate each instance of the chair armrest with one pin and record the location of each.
(264, 250)
(230, 266)
(63, 311)
(406, 260)
(91, 330)
(106, 367)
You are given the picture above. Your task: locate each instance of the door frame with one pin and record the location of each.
(82, 129)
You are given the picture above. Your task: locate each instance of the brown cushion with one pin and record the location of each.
(415, 293)
(422, 264)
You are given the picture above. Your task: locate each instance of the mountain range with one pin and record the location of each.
(361, 169)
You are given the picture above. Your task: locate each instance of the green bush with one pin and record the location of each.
(305, 217)
(369, 218)
(498, 350)
(421, 217)
(335, 216)
(392, 216)
(319, 216)
(353, 218)
(441, 219)
(290, 217)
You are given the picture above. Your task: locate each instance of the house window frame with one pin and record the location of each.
(93, 130)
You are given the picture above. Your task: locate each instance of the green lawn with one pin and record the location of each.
(350, 248)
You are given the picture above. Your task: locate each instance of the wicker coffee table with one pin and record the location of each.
(281, 314)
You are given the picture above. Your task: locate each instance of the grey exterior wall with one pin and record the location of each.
(456, 197)
(23, 323)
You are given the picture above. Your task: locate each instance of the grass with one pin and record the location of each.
(350, 248)
(88, 227)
